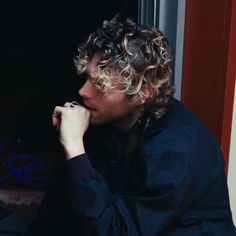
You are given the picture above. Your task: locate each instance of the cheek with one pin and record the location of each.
(114, 102)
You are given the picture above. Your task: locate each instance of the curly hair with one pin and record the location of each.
(131, 55)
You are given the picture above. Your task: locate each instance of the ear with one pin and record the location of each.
(147, 91)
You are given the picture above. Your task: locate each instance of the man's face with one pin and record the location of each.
(113, 107)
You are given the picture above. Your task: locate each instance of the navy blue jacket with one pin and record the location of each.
(166, 177)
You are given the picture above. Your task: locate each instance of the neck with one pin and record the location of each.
(124, 124)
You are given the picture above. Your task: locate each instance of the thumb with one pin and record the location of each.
(56, 116)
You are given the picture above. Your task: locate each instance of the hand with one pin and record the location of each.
(72, 121)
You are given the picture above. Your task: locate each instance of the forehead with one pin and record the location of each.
(92, 64)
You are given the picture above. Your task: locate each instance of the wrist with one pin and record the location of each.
(74, 150)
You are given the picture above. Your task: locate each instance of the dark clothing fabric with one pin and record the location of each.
(165, 177)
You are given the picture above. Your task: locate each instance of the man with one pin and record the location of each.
(137, 161)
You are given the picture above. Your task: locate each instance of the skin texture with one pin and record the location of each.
(114, 108)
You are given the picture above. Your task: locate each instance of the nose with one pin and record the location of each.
(86, 89)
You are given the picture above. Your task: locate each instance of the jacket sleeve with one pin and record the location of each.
(163, 191)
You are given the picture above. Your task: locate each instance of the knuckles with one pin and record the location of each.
(67, 111)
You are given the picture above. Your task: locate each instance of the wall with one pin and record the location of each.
(232, 165)
(172, 23)
(209, 65)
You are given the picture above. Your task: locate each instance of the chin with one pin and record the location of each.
(97, 121)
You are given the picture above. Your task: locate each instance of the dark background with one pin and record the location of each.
(38, 42)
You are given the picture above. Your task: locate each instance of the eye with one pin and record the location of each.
(81, 80)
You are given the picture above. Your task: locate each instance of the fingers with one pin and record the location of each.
(71, 104)
(68, 104)
(71, 121)
(56, 115)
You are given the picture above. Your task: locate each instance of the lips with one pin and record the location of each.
(89, 107)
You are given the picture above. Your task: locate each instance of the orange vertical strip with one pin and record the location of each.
(209, 63)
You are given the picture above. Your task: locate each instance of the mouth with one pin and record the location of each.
(89, 107)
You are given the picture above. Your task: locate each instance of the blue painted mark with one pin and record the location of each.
(28, 170)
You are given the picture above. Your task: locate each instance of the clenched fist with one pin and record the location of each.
(72, 121)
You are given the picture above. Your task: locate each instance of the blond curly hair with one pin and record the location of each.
(131, 55)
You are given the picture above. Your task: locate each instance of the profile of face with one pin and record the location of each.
(112, 107)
